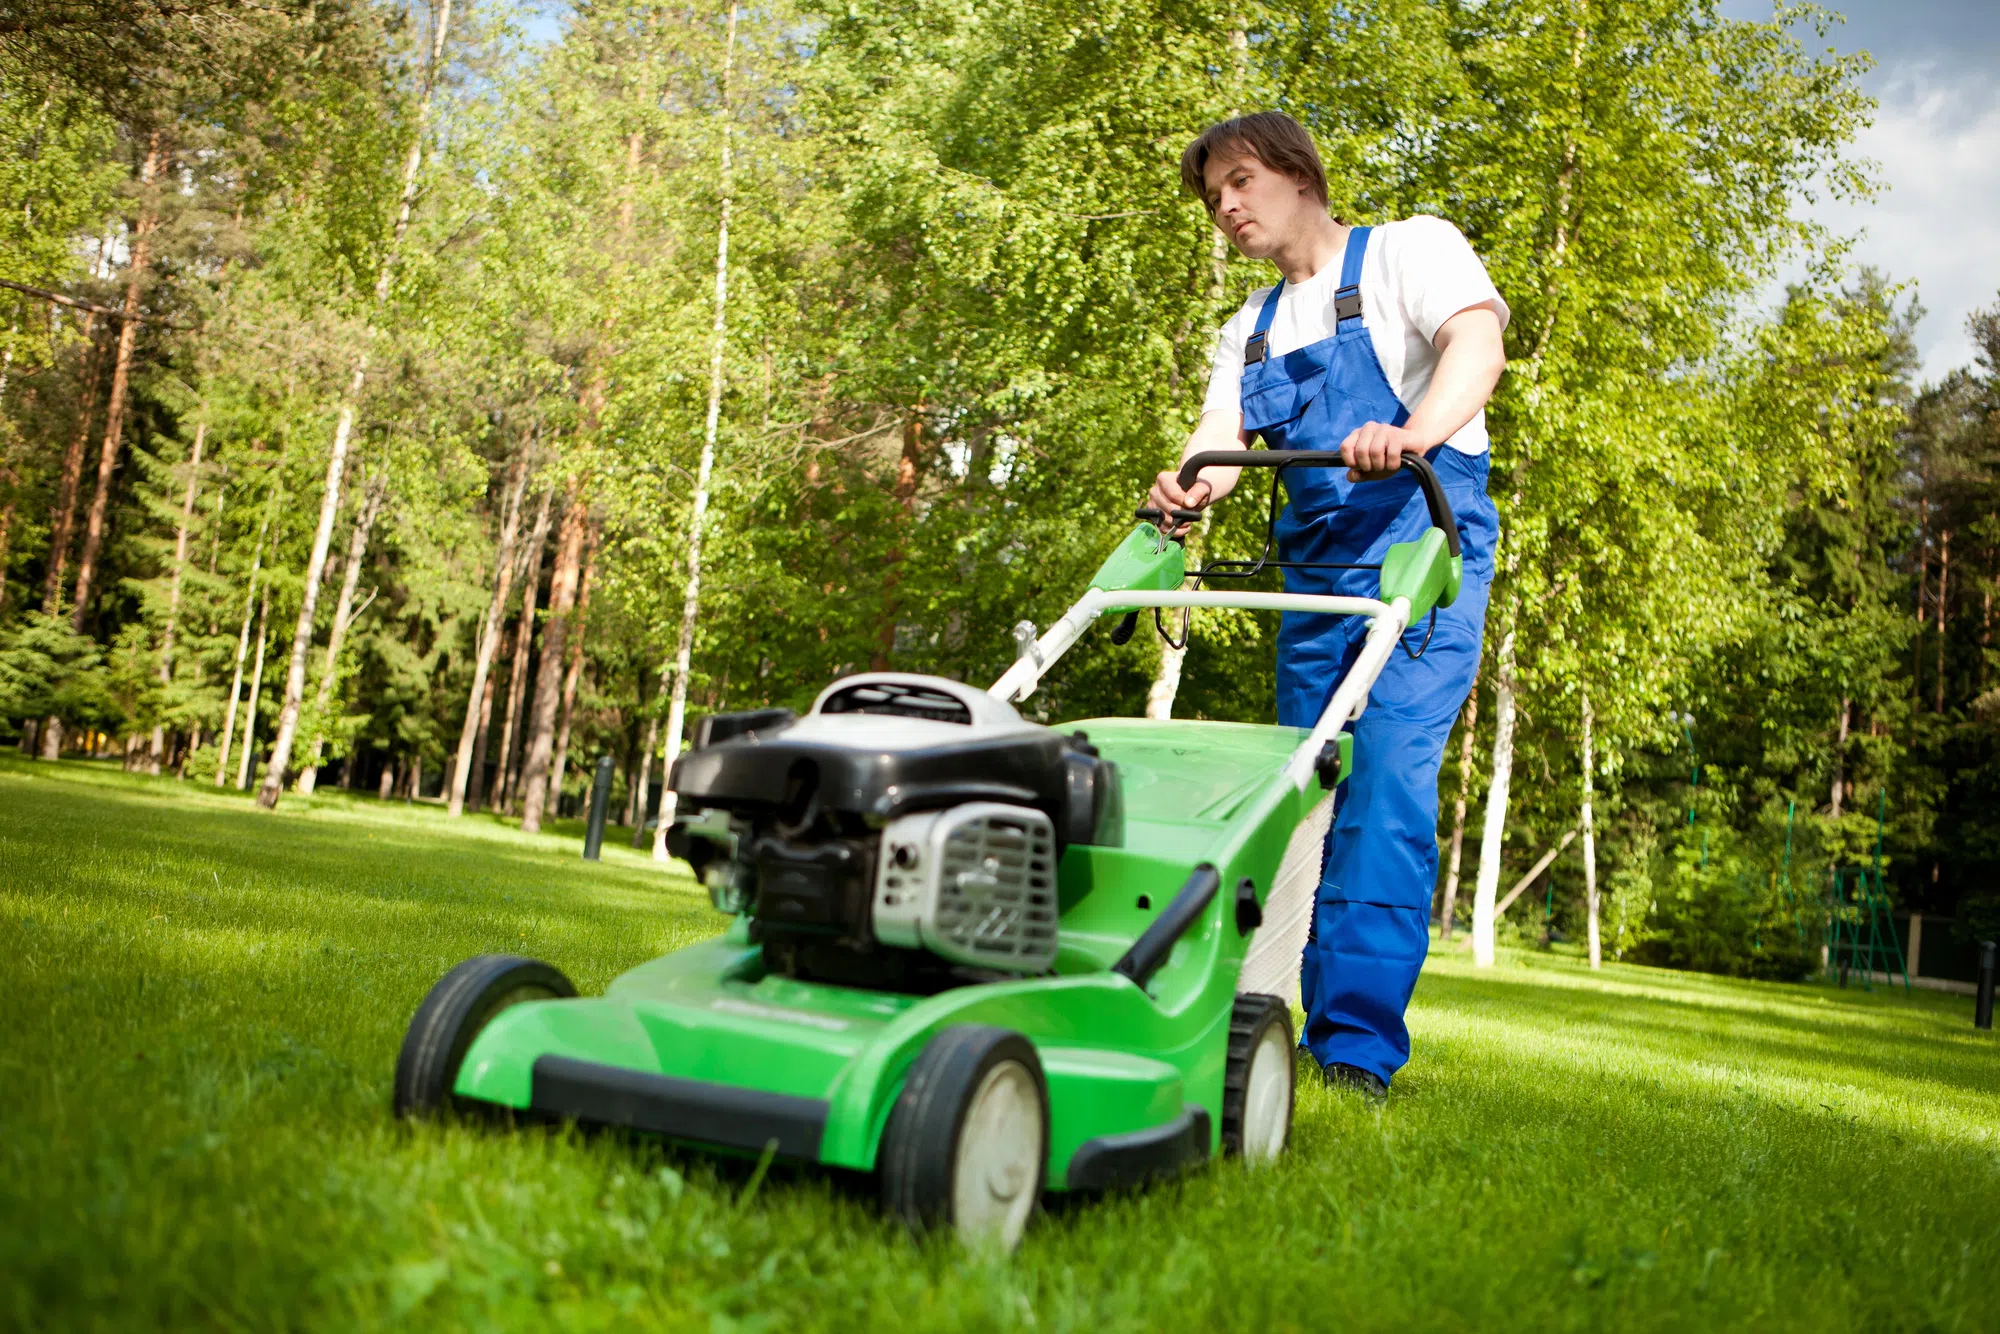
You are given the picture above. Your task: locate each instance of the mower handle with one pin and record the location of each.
(1427, 478)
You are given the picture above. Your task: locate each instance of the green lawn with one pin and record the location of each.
(203, 1006)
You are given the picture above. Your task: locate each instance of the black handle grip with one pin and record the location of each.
(1427, 478)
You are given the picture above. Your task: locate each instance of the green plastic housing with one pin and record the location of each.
(1119, 1057)
(1423, 571)
(1143, 562)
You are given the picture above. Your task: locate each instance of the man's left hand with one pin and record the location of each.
(1376, 450)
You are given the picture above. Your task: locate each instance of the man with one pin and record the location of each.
(1376, 342)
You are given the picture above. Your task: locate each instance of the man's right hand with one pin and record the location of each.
(1167, 496)
(1216, 431)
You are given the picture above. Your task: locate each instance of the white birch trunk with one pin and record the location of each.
(489, 637)
(691, 603)
(1590, 836)
(1469, 725)
(343, 617)
(1840, 757)
(644, 789)
(256, 688)
(174, 588)
(242, 649)
(1166, 682)
(1495, 828)
(302, 636)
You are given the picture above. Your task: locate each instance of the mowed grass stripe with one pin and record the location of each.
(205, 1003)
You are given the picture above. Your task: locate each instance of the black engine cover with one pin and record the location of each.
(789, 771)
(808, 798)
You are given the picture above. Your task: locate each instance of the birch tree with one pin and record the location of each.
(1611, 446)
(336, 464)
(242, 648)
(480, 699)
(374, 492)
(704, 470)
(174, 587)
(1590, 836)
(539, 751)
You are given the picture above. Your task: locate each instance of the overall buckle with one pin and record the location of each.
(1255, 350)
(1347, 304)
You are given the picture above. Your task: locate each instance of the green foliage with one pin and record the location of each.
(969, 313)
(47, 667)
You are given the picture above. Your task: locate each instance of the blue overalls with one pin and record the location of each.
(1370, 928)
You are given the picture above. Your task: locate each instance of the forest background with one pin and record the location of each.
(432, 397)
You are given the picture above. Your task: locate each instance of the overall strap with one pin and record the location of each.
(1258, 346)
(1347, 297)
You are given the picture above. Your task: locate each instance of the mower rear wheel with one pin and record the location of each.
(967, 1146)
(452, 1015)
(1257, 1082)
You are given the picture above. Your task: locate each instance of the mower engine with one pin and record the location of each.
(904, 834)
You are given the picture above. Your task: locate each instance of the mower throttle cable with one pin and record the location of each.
(1246, 569)
(1429, 630)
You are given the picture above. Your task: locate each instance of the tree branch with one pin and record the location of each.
(110, 312)
(1500, 908)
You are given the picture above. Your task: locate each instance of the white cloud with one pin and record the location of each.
(1936, 143)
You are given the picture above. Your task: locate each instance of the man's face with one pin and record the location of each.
(1258, 208)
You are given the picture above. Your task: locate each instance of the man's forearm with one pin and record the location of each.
(1217, 430)
(1471, 361)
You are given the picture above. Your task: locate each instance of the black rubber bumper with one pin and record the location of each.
(1112, 1161)
(686, 1109)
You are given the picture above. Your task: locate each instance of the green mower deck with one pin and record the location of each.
(702, 1045)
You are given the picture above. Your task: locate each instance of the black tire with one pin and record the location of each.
(1250, 1024)
(460, 1005)
(920, 1153)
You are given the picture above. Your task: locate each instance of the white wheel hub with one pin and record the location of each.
(1267, 1097)
(1001, 1145)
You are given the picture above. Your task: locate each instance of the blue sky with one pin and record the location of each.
(1935, 141)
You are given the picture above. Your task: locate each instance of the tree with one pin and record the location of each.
(336, 464)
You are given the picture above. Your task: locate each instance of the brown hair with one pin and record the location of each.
(1275, 139)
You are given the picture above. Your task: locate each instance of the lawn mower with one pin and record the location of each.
(979, 957)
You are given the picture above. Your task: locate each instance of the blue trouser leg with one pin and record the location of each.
(1371, 925)
(1359, 970)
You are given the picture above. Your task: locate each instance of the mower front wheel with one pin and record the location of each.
(462, 1003)
(967, 1145)
(1257, 1092)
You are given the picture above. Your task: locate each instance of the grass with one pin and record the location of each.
(204, 1002)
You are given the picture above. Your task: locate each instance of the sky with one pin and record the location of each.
(1935, 142)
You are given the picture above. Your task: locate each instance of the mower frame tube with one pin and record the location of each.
(1387, 621)
(1020, 680)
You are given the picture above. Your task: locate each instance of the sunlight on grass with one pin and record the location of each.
(208, 999)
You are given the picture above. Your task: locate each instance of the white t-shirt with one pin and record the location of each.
(1417, 274)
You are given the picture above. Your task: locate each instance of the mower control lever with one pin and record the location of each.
(1148, 514)
(1417, 464)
